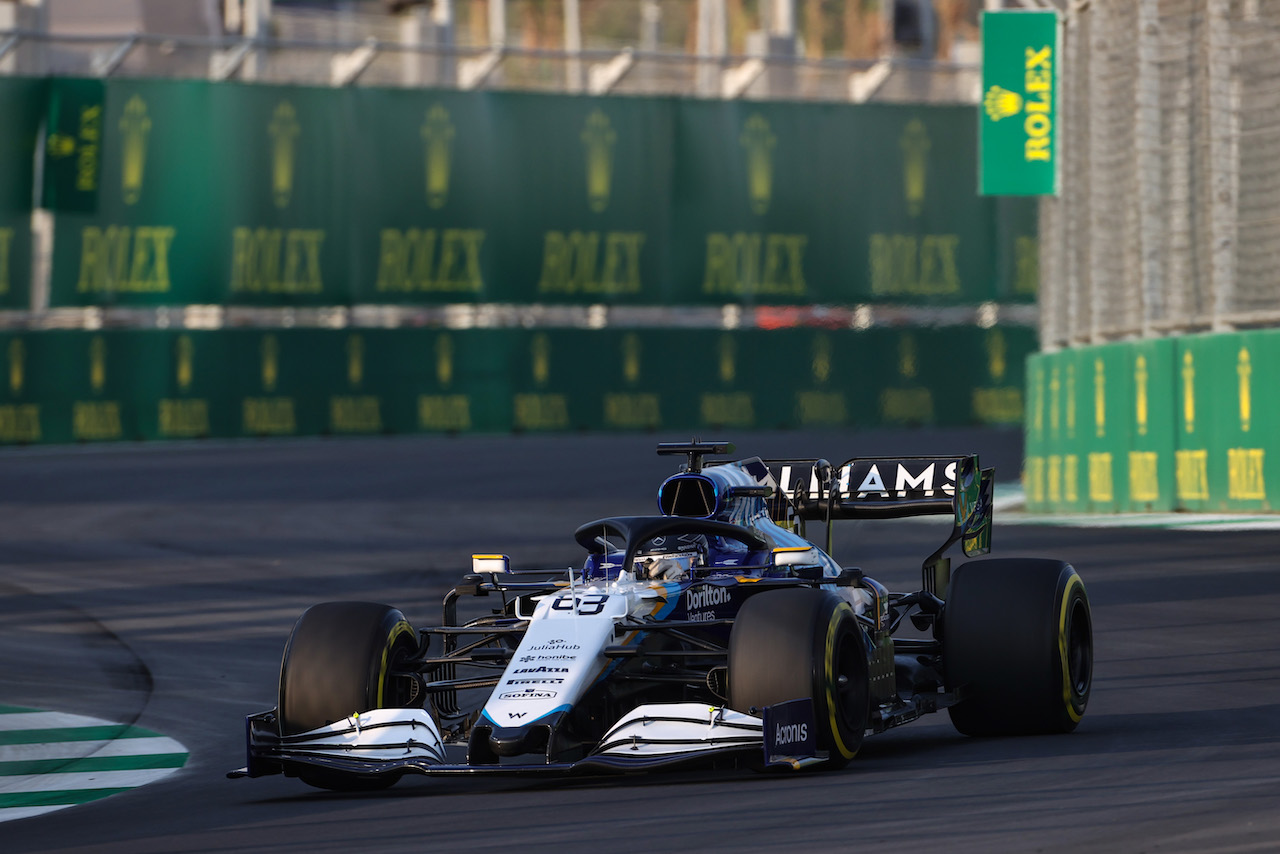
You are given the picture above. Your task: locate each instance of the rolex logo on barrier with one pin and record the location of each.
(444, 360)
(599, 137)
(821, 363)
(355, 361)
(759, 142)
(185, 352)
(997, 354)
(728, 355)
(1189, 391)
(17, 366)
(1100, 397)
(1244, 369)
(540, 351)
(915, 164)
(907, 355)
(1000, 103)
(283, 130)
(135, 125)
(270, 363)
(97, 363)
(631, 357)
(437, 136)
(1140, 378)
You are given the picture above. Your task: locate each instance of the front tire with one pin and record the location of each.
(338, 661)
(790, 644)
(1017, 640)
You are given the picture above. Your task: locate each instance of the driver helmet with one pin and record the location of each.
(671, 557)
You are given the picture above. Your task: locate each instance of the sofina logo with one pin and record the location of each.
(540, 351)
(97, 363)
(135, 125)
(915, 164)
(184, 350)
(444, 360)
(437, 135)
(759, 142)
(283, 130)
(728, 354)
(270, 362)
(821, 363)
(355, 360)
(599, 137)
(631, 357)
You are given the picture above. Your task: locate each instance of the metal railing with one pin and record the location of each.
(374, 62)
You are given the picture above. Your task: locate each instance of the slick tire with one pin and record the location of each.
(338, 661)
(789, 644)
(1017, 642)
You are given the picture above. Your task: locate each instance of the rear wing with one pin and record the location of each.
(889, 488)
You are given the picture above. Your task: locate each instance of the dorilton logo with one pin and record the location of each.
(283, 130)
(759, 142)
(599, 137)
(437, 136)
(915, 164)
(135, 125)
(707, 596)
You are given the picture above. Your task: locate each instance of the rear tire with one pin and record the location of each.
(337, 662)
(790, 644)
(1017, 640)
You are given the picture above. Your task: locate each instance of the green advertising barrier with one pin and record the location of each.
(1176, 423)
(108, 385)
(22, 103)
(222, 193)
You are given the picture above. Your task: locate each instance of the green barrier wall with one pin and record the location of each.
(65, 386)
(22, 105)
(1177, 423)
(226, 193)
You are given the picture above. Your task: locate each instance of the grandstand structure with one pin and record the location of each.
(850, 51)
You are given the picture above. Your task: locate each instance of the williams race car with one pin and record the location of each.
(713, 633)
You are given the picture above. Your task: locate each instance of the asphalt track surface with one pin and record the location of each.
(156, 585)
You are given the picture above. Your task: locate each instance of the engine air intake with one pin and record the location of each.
(689, 495)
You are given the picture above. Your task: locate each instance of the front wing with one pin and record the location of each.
(397, 741)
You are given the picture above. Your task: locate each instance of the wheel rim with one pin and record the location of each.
(849, 691)
(1079, 650)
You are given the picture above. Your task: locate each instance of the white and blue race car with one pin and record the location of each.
(715, 632)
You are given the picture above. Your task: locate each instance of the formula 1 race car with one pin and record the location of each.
(713, 633)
